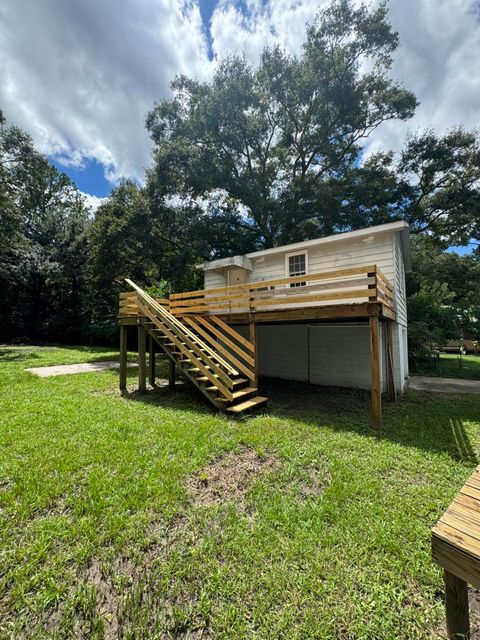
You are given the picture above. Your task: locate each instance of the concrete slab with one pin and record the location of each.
(444, 385)
(69, 369)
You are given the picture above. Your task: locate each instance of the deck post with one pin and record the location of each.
(252, 336)
(151, 360)
(456, 605)
(374, 322)
(142, 359)
(392, 392)
(171, 374)
(123, 357)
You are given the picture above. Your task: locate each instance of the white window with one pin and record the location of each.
(296, 264)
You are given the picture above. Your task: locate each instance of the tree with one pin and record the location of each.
(43, 244)
(276, 136)
(444, 173)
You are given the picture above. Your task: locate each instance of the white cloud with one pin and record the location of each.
(93, 202)
(81, 76)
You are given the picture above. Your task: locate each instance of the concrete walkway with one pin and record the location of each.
(68, 369)
(444, 385)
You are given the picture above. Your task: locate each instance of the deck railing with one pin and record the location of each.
(352, 285)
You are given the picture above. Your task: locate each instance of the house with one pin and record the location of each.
(323, 352)
(329, 311)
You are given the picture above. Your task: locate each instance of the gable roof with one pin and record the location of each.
(400, 227)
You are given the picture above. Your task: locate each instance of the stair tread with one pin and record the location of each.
(242, 392)
(248, 404)
(235, 382)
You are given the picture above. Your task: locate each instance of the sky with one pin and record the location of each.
(80, 76)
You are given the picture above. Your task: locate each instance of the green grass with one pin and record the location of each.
(100, 536)
(450, 365)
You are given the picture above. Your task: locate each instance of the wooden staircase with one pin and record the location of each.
(213, 356)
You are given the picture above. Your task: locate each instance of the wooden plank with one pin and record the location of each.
(142, 360)
(171, 374)
(470, 491)
(245, 356)
(248, 404)
(151, 360)
(206, 371)
(191, 340)
(456, 561)
(123, 357)
(337, 273)
(392, 392)
(461, 540)
(456, 607)
(341, 295)
(376, 390)
(239, 338)
(239, 365)
(252, 334)
(178, 327)
(462, 524)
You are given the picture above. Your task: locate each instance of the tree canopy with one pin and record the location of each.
(255, 157)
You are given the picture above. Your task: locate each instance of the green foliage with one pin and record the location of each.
(275, 136)
(43, 244)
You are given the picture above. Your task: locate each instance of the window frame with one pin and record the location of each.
(292, 254)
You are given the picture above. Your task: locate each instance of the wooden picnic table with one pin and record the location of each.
(456, 548)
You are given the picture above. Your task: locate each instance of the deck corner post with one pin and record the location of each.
(171, 374)
(151, 361)
(376, 391)
(456, 606)
(142, 359)
(392, 392)
(123, 357)
(252, 336)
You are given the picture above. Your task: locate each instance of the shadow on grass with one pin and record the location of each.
(434, 423)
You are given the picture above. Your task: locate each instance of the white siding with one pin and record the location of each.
(283, 351)
(399, 288)
(213, 279)
(375, 249)
(340, 356)
(325, 354)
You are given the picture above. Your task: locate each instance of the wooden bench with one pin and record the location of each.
(456, 548)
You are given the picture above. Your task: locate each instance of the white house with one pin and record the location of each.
(325, 341)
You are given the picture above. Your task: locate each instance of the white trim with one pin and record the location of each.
(401, 227)
(360, 233)
(291, 255)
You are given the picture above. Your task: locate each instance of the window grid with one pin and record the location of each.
(297, 267)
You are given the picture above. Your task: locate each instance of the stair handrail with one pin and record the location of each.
(185, 332)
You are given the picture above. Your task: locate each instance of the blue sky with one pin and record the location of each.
(102, 65)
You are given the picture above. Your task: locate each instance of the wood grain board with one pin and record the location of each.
(456, 536)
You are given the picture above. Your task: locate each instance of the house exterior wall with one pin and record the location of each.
(336, 354)
(375, 249)
(213, 279)
(328, 354)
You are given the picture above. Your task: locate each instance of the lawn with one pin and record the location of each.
(449, 365)
(155, 517)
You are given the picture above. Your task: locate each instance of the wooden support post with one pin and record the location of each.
(392, 392)
(252, 336)
(142, 359)
(375, 372)
(151, 360)
(123, 357)
(171, 374)
(456, 605)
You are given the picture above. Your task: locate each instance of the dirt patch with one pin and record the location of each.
(229, 477)
(313, 482)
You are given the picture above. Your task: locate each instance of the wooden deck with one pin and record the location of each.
(456, 548)
(356, 293)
